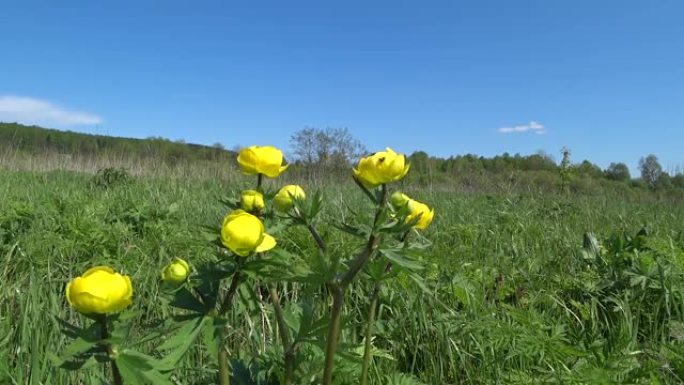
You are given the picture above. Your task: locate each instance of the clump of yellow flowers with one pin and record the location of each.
(100, 290)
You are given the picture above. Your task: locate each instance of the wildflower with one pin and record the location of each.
(284, 199)
(176, 272)
(251, 200)
(100, 290)
(266, 160)
(244, 233)
(381, 167)
(420, 212)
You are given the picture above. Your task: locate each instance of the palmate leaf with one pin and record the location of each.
(402, 258)
(178, 344)
(184, 299)
(137, 369)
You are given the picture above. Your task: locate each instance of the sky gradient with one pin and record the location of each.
(604, 78)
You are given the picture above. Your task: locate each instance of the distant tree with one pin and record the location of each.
(589, 169)
(330, 148)
(650, 170)
(664, 181)
(618, 171)
(678, 180)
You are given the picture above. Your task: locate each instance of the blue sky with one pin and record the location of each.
(604, 78)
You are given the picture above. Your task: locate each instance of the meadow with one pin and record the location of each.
(518, 288)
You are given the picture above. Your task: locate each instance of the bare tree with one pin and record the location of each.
(650, 170)
(329, 148)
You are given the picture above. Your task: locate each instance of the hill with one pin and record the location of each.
(33, 140)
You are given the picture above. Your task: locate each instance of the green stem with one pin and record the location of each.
(116, 374)
(333, 332)
(288, 347)
(339, 287)
(369, 334)
(224, 368)
(375, 297)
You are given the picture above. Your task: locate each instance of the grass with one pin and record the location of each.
(517, 294)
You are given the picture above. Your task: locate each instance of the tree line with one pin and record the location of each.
(328, 153)
(38, 140)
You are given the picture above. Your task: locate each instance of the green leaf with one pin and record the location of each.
(184, 299)
(138, 368)
(211, 336)
(400, 258)
(181, 341)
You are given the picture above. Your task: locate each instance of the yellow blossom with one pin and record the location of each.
(419, 210)
(266, 160)
(381, 167)
(100, 290)
(244, 233)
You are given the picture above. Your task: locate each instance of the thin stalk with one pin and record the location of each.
(369, 334)
(224, 367)
(339, 287)
(116, 374)
(288, 347)
(333, 332)
(234, 283)
(375, 298)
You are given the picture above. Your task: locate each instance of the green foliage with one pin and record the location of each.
(508, 291)
(111, 177)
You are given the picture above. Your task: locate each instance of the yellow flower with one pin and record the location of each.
(176, 272)
(100, 290)
(251, 200)
(381, 167)
(243, 233)
(399, 199)
(266, 160)
(416, 210)
(284, 199)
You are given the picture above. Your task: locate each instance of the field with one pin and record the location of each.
(518, 288)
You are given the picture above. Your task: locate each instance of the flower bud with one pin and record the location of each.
(399, 199)
(100, 290)
(284, 199)
(251, 201)
(176, 272)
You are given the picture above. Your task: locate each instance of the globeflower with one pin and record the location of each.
(266, 160)
(284, 199)
(244, 233)
(176, 272)
(100, 290)
(421, 212)
(381, 167)
(251, 200)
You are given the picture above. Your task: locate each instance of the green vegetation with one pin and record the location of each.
(534, 273)
(517, 290)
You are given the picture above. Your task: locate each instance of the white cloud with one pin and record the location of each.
(533, 126)
(26, 110)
